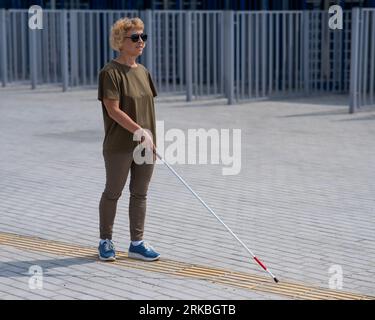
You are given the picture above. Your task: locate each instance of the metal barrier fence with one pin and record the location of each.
(362, 89)
(234, 54)
(268, 54)
(329, 53)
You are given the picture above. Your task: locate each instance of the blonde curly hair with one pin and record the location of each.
(120, 28)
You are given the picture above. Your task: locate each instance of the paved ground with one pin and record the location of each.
(303, 200)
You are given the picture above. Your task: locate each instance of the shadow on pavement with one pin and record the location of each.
(21, 268)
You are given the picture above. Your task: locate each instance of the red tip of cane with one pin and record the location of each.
(260, 263)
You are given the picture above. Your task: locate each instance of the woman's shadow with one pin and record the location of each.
(25, 268)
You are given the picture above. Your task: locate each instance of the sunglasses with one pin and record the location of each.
(135, 37)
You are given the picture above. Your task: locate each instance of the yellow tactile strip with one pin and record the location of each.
(175, 268)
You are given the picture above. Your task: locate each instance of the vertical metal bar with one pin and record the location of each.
(3, 42)
(48, 46)
(222, 53)
(19, 46)
(105, 36)
(313, 50)
(108, 28)
(256, 47)
(167, 48)
(284, 44)
(97, 41)
(39, 50)
(271, 52)
(354, 61)
(342, 52)
(243, 55)
(348, 54)
(201, 64)
(111, 21)
(149, 49)
(360, 59)
(10, 39)
(277, 53)
(195, 45)
(64, 49)
(24, 27)
(14, 45)
(296, 57)
(179, 59)
(237, 52)
(195, 54)
(250, 52)
(82, 44)
(372, 58)
(229, 48)
(54, 39)
(74, 48)
(323, 44)
(319, 53)
(154, 46)
(342, 59)
(173, 59)
(215, 52)
(188, 56)
(33, 57)
(333, 67)
(366, 25)
(91, 47)
(302, 53)
(159, 65)
(46, 49)
(290, 54)
(317, 50)
(306, 52)
(264, 52)
(195, 35)
(18, 52)
(208, 55)
(15, 42)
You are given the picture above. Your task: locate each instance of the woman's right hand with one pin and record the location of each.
(146, 139)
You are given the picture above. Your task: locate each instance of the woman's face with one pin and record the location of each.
(130, 47)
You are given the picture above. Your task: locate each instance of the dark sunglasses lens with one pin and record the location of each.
(135, 37)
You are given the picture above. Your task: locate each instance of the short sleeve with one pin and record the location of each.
(152, 85)
(108, 87)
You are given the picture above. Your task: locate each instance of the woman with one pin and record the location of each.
(127, 94)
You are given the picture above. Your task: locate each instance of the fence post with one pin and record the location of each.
(148, 23)
(73, 42)
(306, 51)
(33, 56)
(64, 49)
(188, 57)
(229, 55)
(3, 44)
(354, 63)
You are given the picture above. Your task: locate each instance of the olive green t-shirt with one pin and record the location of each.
(135, 90)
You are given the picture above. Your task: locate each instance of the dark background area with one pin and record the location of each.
(183, 5)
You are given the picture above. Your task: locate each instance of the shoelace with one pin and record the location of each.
(108, 245)
(147, 246)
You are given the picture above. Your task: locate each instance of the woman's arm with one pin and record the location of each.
(114, 111)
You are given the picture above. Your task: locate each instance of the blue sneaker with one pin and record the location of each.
(143, 252)
(107, 250)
